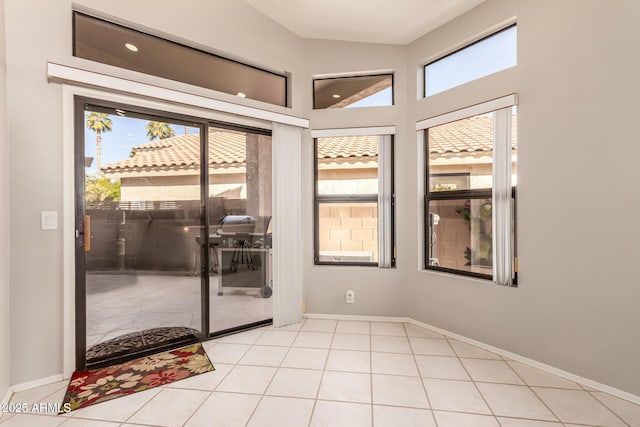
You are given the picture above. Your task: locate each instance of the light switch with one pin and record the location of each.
(49, 220)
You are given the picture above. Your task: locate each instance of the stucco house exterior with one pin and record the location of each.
(460, 157)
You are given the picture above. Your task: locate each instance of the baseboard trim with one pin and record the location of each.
(356, 317)
(36, 383)
(533, 363)
(543, 367)
(7, 397)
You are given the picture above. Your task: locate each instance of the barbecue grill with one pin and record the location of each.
(243, 243)
(251, 230)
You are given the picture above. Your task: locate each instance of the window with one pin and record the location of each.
(470, 192)
(349, 92)
(354, 200)
(486, 56)
(123, 47)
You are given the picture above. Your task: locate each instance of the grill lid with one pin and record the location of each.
(244, 224)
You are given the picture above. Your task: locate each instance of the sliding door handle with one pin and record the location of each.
(87, 232)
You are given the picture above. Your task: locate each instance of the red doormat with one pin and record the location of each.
(99, 385)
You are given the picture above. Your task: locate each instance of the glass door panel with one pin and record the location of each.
(239, 200)
(142, 219)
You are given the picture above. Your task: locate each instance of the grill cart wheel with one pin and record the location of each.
(266, 291)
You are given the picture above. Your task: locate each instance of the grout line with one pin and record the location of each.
(606, 406)
(199, 406)
(324, 368)
(5, 417)
(424, 387)
(143, 405)
(547, 421)
(277, 368)
(533, 391)
(371, 372)
(211, 391)
(529, 362)
(475, 386)
(274, 374)
(539, 398)
(510, 417)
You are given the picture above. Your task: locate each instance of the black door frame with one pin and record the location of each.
(80, 104)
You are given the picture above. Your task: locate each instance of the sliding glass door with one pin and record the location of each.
(168, 247)
(239, 199)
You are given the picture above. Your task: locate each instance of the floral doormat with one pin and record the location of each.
(99, 385)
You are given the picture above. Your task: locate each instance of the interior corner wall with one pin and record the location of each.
(35, 115)
(4, 218)
(576, 304)
(378, 292)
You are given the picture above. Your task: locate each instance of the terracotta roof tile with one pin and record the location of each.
(183, 151)
(345, 147)
(226, 148)
(467, 135)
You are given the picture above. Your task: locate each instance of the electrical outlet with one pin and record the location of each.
(350, 297)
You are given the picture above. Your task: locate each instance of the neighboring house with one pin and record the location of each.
(460, 153)
(460, 158)
(168, 170)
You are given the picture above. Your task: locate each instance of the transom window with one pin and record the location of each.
(113, 44)
(353, 91)
(489, 55)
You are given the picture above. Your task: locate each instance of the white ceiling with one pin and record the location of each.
(373, 21)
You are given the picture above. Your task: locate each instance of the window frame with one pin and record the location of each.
(377, 74)
(184, 47)
(468, 45)
(481, 193)
(319, 199)
(467, 195)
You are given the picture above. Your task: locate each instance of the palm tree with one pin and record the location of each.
(99, 123)
(159, 130)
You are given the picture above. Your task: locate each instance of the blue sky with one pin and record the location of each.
(488, 56)
(126, 133)
(493, 54)
(381, 98)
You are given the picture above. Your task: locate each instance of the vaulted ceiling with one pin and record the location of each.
(374, 21)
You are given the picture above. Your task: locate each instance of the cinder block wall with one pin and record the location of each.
(349, 227)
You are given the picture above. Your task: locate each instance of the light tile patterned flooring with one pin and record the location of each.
(348, 373)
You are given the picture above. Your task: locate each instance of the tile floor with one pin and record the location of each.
(348, 373)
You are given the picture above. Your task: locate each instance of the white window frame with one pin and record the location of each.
(502, 224)
(422, 84)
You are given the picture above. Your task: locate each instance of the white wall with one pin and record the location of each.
(4, 218)
(378, 291)
(35, 115)
(576, 305)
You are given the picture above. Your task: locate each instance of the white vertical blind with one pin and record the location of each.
(287, 224)
(501, 222)
(385, 179)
